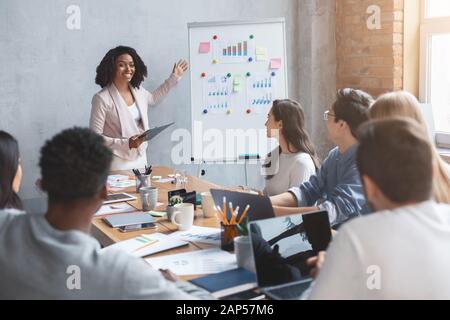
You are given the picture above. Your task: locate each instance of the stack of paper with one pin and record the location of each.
(147, 244)
(120, 181)
(196, 262)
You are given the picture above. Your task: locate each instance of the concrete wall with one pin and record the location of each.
(47, 78)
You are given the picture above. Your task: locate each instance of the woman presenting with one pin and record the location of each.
(120, 110)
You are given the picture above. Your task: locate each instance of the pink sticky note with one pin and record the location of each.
(275, 63)
(204, 47)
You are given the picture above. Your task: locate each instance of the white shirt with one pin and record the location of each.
(35, 262)
(398, 254)
(293, 169)
(135, 113)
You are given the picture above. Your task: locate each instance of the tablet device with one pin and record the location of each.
(151, 133)
(118, 197)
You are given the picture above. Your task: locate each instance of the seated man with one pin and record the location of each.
(336, 187)
(400, 252)
(52, 256)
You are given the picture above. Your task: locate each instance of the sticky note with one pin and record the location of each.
(204, 47)
(261, 50)
(275, 63)
(157, 213)
(237, 83)
(260, 57)
(261, 53)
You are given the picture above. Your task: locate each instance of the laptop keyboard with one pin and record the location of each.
(289, 292)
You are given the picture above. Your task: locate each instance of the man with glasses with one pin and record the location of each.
(336, 187)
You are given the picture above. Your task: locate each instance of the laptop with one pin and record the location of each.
(280, 249)
(260, 206)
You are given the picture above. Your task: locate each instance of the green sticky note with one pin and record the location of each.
(157, 214)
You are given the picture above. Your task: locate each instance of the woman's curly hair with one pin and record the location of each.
(106, 68)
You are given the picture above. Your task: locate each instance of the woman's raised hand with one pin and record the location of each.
(180, 67)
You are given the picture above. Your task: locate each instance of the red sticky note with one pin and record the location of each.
(275, 63)
(204, 47)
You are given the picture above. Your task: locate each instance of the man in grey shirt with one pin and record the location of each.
(52, 256)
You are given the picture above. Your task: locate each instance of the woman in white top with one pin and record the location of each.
(120, 110)
(10, 173)
(295, 161)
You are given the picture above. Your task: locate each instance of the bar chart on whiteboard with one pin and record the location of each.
(233, 50)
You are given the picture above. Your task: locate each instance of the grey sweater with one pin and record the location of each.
(40, 262)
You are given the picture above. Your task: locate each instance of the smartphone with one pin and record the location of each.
(138, 227)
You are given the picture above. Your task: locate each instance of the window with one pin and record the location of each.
(435, 61)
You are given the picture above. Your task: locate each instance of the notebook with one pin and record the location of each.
(227, 283)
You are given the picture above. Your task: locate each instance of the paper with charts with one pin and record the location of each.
(195, 262)
(199, 234)
(147, 244)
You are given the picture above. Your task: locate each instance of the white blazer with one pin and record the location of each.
(111, 119)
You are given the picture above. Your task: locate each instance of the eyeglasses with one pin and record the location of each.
(328, 114)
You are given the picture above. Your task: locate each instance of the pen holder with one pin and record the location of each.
(227, 235)
(142, 181)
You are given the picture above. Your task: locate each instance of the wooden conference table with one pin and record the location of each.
(107, 235)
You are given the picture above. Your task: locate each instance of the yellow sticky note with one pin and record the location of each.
(260, 50)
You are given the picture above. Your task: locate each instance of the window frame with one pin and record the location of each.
(428, 28)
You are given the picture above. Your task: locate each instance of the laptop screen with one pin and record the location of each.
(282, 245)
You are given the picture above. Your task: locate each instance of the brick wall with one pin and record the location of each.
(371, 60)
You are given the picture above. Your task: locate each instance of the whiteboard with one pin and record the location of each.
(237, 69)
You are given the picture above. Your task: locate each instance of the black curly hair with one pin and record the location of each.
(74, 165)
(106, 68)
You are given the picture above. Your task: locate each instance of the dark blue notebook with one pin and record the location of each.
(224, 280)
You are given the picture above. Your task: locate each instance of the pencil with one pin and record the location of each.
(220, 215)
(232, 218)
(236, 213)
(224, 211)
(244, 214)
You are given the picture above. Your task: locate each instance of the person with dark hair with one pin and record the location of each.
(401, 251)
(120, 110)
(295, 160)
(10, 173)
(54, 257)
(336, 187)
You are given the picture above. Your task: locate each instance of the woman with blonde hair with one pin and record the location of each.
(405, 104)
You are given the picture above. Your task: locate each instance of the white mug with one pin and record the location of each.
(183, 217)
(244, 253)
(208, 205)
